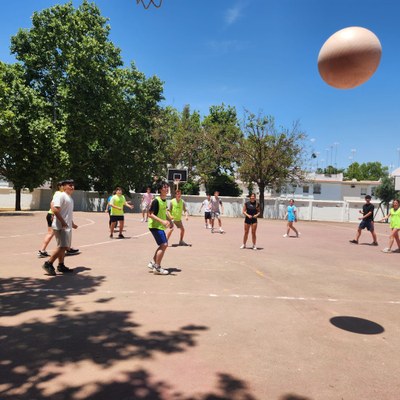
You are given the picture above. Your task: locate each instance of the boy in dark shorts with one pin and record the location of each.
(367, 221)
(159, 219)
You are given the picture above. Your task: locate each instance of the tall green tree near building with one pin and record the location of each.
(271, 156)
(26, 132)
(221, 143)
(102, 113)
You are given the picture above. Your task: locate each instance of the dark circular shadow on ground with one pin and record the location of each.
(357, 325)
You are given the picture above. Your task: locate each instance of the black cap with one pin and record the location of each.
(67, 182)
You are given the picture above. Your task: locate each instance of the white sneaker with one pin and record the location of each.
(285, 235)
(254, 247)
(387, 250)
(150, 265)
(243, 246)
(298, 234)
(160, 271)
(142, 220)
(221, 230)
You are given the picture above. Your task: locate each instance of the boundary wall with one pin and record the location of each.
(275, 208)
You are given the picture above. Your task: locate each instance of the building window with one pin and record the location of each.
(317, 188)
(363, 191)
(373, 191)
(306, 189)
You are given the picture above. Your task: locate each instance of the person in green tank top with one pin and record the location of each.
(176, 208)
(159, 220)
(394, 215)
(117, 204)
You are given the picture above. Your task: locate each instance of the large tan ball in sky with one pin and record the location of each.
(349, 57)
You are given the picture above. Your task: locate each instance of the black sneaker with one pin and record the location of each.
(71, 252)
(121, 236)
(63, 269)
(48, 267)
(375, 244)
(353, 241)
(43, 254)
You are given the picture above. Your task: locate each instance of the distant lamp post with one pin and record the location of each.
(353, 154)
(398, 156)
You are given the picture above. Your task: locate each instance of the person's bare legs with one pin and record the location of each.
(159, 253)
(246, 233)
(254, 234)
(47, 238)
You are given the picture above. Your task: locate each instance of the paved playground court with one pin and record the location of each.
(313, 318)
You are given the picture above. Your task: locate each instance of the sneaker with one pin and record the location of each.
(298, 234)
(72, 252)
(243, 246)
(387, 250)
(43, 254)
(48, 267)
(285, 235)
(63, 269)
(182, 243)
(353, 241)
(221, 230)
(121, 236)
(160, 271)
(374, 244)
(254, 247)
(151, 266)
(142, 220)
(212, 230)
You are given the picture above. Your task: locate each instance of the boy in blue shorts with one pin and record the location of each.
(367, 221)
(159, 219)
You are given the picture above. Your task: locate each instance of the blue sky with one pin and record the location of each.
(259, 55)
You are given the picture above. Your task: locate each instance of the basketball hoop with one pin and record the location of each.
(148, 3)
(176, 183)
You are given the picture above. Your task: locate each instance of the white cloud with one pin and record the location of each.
(233, 14)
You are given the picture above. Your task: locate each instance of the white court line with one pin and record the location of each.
(232, 296)
(91, 222)
(93, 244)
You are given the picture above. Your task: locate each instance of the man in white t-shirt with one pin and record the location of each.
(62, 207)
(216, 203)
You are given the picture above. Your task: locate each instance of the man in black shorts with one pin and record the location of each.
(367, 221)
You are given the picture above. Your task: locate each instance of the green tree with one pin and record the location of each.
(26, 132)
(370, 171)
(102, 113)
(220, 146)
(386, 191)
(271, 157)
(224, 184)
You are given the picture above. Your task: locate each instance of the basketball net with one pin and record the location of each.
(176, 183)
(148, 3)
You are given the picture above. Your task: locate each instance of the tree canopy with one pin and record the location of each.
(370, 171)
(270, 156)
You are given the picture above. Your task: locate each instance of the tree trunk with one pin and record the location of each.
(261, 187)
(18, 199)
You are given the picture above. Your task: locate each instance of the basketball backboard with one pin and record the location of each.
(397, 183)
(177, 174)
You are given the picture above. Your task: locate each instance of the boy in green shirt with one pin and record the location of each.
(159, 220)
(176, 208)
(117, 204)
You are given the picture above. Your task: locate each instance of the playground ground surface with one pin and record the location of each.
(313, 318)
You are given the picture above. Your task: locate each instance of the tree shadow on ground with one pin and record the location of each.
(24, 294)
(34, 352)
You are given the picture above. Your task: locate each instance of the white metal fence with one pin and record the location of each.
(275, 208)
